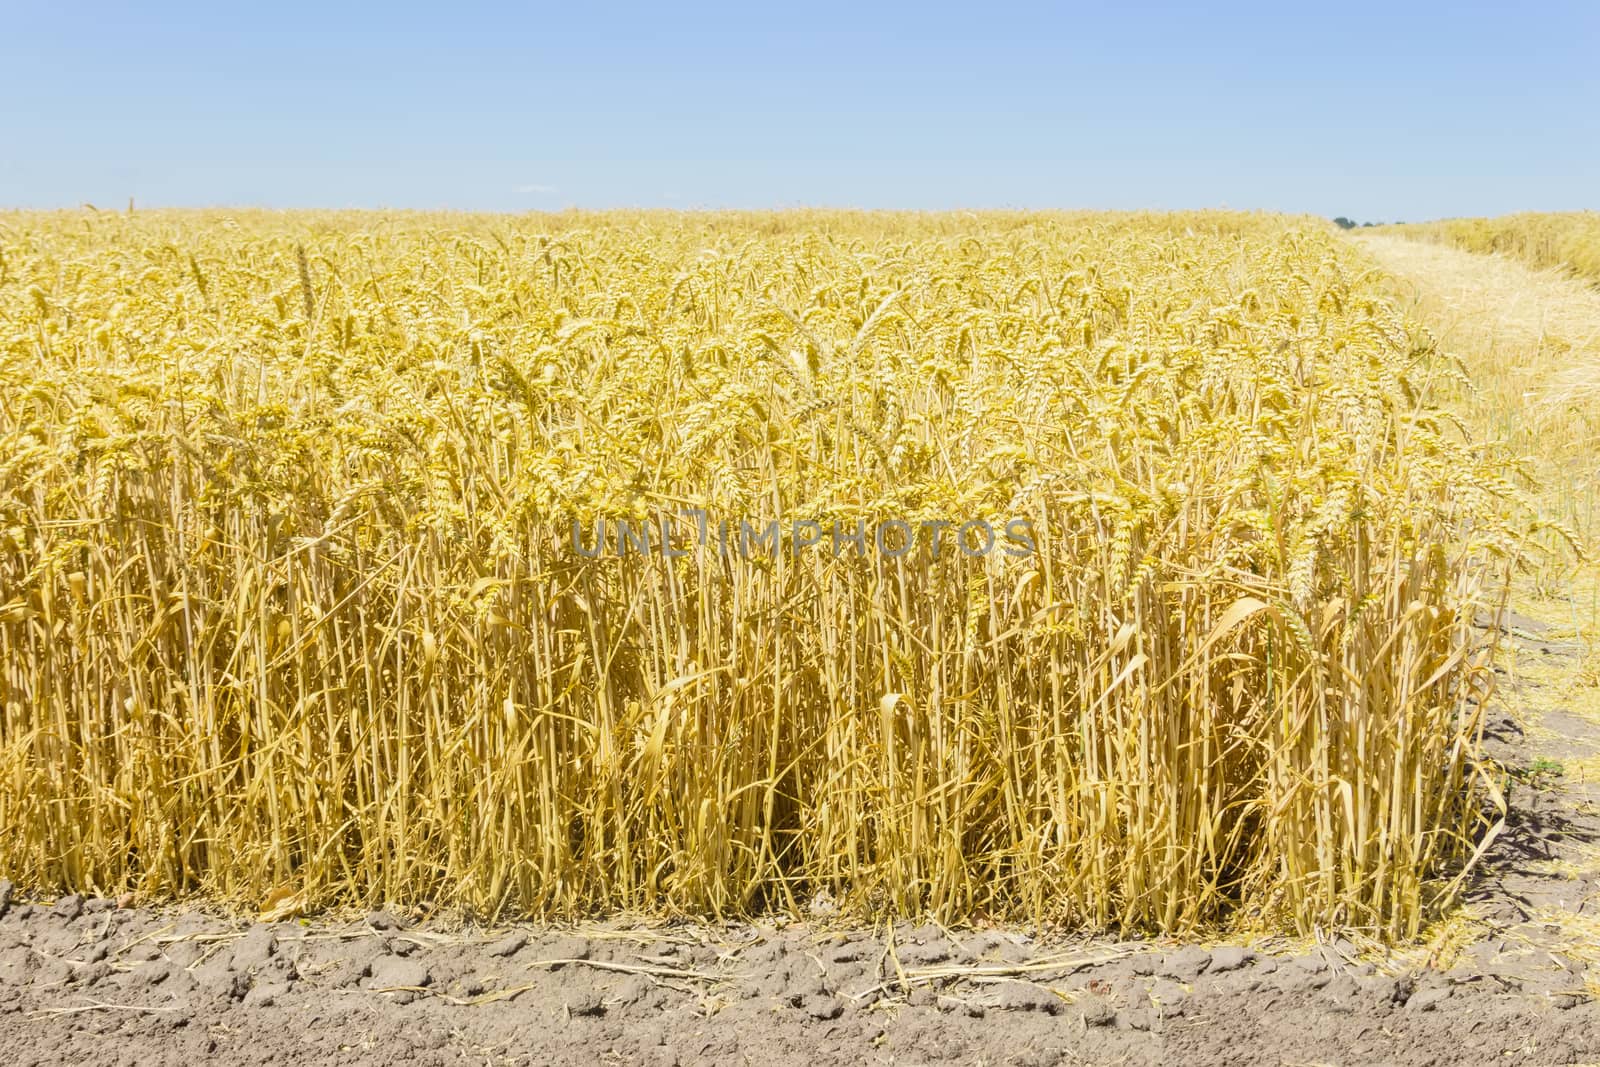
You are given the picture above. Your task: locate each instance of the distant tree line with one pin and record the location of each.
(1350, 224)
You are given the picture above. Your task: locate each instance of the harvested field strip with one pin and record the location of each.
(1567, 241)
(1530, 343)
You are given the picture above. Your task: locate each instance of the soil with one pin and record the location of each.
(86, 983)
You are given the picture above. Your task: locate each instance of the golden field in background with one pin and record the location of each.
(289, 605)
(1567, 240)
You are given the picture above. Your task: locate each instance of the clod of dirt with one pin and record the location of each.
(924, 955)
(1186, 964)
(390, 971)
(49, 972)
(94, 972)
(1342, 994)
(1145, 964)
(1428, 999)
(569, 948)
(147, 952)
(265, 995)
(770, 983)
(1025, 996)
(153, 974)
(1229, 958)
(1398, 990)
(400, 946)
(852, 953)
(636, 990)
(6, 889)
(1133, 1019)
(762, 951)
(585, 1003)
(1096, 1012)
(952, 1005)
(508, 945)
(1568, 964)
(232, 985)
(347, 973)
(824, 1007)
(806, 982)
(1168, 995)
(253, 950)
(1040, 1057)
(982, 943)
(68, 907)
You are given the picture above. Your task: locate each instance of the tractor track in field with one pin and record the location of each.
(1509, 979)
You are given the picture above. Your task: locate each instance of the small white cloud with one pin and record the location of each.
(535, 189)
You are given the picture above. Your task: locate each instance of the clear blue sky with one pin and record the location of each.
(1377, 111)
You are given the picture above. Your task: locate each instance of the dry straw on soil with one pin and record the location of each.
(287, 598)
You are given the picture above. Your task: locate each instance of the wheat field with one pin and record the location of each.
(300, 596)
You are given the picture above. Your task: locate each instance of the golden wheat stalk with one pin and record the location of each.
(280, 616)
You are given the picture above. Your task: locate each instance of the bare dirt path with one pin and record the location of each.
(1509, 979)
